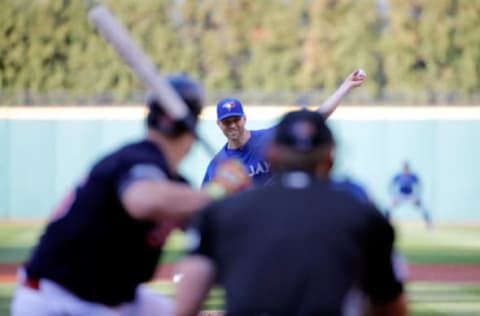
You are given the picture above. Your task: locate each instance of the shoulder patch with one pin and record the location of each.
(140, 172)
(147, 171)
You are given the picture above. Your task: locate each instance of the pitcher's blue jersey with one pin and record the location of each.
(251, 155)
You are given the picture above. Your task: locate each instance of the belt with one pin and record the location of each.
(32, 283)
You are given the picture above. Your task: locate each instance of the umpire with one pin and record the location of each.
(298, 246)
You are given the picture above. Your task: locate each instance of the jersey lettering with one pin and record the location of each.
(260, 167)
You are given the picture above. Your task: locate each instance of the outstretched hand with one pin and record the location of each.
(355, 79)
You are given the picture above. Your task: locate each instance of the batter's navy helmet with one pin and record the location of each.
(191, 93)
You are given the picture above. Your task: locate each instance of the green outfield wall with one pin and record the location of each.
(44, 151)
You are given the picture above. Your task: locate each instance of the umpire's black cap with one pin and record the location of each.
(303, 131)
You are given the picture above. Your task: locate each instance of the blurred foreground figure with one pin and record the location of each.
(354, 187)
(405, 188)
(298, 246)
(107, 235)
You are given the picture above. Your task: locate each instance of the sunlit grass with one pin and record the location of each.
(443, 244)
(6, 292)
(17, 240)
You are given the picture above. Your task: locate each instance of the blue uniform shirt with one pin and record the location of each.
(405, 183)
(252, 156)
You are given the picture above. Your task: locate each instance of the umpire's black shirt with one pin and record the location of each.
(93, 247)
(297, 247)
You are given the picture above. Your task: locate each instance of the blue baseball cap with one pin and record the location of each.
(229, 107)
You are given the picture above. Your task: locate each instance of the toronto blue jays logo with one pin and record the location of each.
(228, 105)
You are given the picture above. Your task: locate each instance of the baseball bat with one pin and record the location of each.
(140, 63)
(118, 36)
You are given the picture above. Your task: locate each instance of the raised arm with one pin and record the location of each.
(355, 79)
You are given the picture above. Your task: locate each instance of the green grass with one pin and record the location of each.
(445, 244)
(442, 299)
(213, 302)
(17, 240)
(425, 299)
(6, 291)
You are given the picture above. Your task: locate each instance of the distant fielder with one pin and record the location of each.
(405, 188)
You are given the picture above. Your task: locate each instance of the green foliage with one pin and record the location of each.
(432, 46)
(425, 47)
